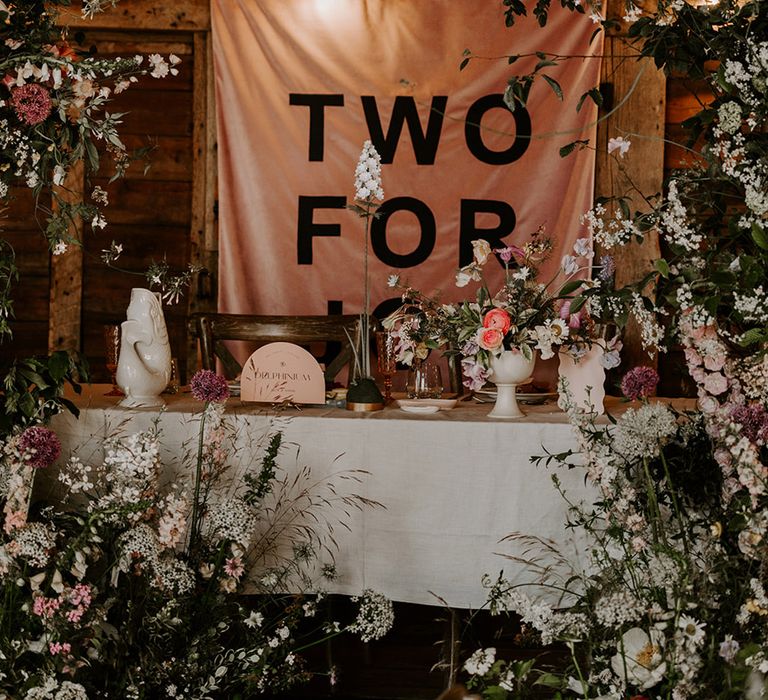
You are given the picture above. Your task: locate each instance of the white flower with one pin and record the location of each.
(642, 432)
(159, 66)
(639, 660)
(393, 280)
(98, 221)
(467, 274)
(480, 662)
(481, 250)
(569, 265)
(254, 620)
(368, 174)
(60, 248)
(729, 647)
(522, 274)
(583, 247)
(729, 114)
(59, 173)
(620, 144)
(692, 629)
(375, 617)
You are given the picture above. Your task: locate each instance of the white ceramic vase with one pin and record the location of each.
(585, 379)
(144, 365)
(508, 370)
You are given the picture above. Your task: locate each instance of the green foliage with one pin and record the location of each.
(32, 389)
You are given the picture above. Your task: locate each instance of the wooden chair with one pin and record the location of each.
(212, 329)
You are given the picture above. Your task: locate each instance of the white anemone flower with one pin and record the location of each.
(639, 660)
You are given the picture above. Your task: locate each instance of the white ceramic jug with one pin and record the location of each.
(144, 366)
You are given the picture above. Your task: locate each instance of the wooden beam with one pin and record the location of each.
(65, 303)
(156, 15)
(640, 89)
(204, 235)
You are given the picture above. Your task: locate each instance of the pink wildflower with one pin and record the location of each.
(40, 446)
(59, 648)
(13, 520)
(32, 103)
(75, 614)
(573, 320)
(506, 254)
(80, 595)
(639, 383)
(234, 567)
(209, 386)
(45, 607)
(475, 375)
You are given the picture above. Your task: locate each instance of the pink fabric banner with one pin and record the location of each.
(301, 84)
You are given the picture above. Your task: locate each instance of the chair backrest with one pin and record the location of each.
(336, 330)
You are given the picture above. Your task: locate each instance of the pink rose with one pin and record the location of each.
(497, 319)
(490, 338)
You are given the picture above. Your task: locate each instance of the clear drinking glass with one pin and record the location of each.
(425, 381)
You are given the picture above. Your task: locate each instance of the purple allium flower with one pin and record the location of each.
(209, 386)
(31, 102)
(607, 268)
(639, 382)
(39, 446)
(754, 421)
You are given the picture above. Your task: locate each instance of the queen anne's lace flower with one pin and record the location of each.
(729, 114)
(233, 521)
(375, 617)
(33, 542)
(643, 432)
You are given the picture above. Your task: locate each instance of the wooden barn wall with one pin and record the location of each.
(30, 294)
(170, 211)
(149, 212)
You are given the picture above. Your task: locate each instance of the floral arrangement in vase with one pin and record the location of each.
(524, 315)
(363, 392)
(134, 588)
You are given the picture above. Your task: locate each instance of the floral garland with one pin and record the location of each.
(673, 602)
(53, 113)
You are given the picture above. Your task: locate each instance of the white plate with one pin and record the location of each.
(533, 398)
(442, 404)
(420, 409)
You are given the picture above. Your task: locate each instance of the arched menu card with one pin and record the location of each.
(282, 372)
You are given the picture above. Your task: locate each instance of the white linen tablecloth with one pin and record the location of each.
(453, 484)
